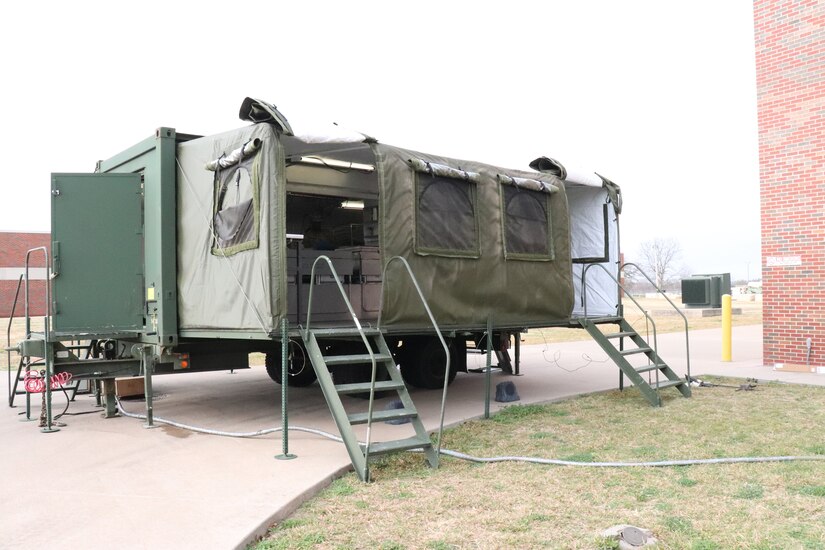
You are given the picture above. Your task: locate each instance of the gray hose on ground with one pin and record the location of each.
(484, 460)
(689, 462)
(209, 431)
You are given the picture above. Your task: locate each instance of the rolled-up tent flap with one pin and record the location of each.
(549, 166)
(442, 170)
(572, 174)
(258, 110)
(235, 156)
(526, 183)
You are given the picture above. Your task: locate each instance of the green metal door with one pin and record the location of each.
(97, 254)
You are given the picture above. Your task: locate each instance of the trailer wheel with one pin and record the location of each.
(423, 362)
(299, 369)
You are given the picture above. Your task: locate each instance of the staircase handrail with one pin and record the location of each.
(46, 327)
(437, 330)
(8, 340)
(675, 307)
(48, 292)
(357, 323)
(638, 305)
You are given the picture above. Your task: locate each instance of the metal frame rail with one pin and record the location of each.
(9, 349)
(675, 307)
(49, 358)
(435, 327)
(656, 357)
(357, 322)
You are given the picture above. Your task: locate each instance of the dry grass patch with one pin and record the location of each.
(516, 505)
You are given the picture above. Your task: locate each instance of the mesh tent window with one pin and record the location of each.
(236, 200)
(526, 223)
(445, 212)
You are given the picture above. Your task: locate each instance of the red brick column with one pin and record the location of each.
(790, 71)
(13, 247)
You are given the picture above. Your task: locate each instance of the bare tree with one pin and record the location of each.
(658, 257)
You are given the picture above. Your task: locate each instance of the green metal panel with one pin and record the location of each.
(97, 255)
(154, 158)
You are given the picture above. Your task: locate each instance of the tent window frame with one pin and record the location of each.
(251, 165)
(473, 251)
(539, 196)
(606, 257)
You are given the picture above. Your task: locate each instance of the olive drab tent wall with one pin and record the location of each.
(484, 242)
(458, 224)
(230, 232)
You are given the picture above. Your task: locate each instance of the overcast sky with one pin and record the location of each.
(659, 96)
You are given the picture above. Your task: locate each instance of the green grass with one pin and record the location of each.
(517, 505)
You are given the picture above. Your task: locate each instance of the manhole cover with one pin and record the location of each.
(633, 536)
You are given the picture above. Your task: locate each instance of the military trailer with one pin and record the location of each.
(187, 253)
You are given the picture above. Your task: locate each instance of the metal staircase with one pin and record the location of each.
(384, 365)
(385, 376)
(650, 387)
(655, 367)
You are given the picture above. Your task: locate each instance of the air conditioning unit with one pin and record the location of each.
(696, 292)
(705, 290)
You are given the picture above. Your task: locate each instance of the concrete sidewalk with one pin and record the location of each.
(112, 482)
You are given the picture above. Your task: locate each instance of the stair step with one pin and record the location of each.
(634, 351)
(619, 334)
(649, 368)
(365, 387)
(382, 416)
(667, 384)
(384, 447)
(600, 320)
(350, 359)
(343, 332)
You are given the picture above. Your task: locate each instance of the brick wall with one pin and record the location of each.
(13, 247)
(790, 72)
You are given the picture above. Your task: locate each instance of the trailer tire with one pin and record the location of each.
(423, 362)
(299, 369)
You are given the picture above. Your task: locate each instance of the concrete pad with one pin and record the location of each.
(112, 482)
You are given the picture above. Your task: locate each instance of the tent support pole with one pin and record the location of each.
(488, 370)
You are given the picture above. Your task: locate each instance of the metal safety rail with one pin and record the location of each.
(361, 333)
(31, 347)
(360, 454)
(655, 363)
(435, 328)
(9, 348)
(674, 306)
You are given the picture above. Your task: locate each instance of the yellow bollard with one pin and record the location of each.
(726, 328)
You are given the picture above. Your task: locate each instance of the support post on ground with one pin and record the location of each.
(285, 455)
(47, 379)
(726, 328)
(27, 371)
(488, 370)
(109, 398)
(148, 364)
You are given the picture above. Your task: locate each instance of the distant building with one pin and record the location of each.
(790, 73)
(13, 247)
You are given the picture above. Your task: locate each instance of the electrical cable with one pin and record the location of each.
(68, 401)
(556, 356)
(493, 459)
